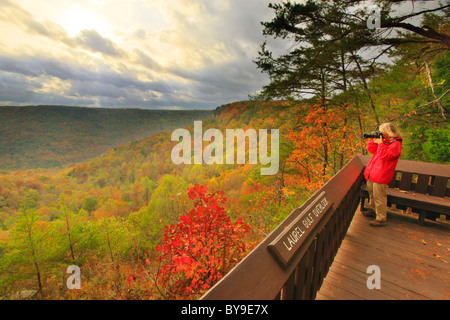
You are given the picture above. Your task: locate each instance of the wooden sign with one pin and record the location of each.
(289, 241)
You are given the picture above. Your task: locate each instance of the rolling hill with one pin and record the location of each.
(53, 136)
(118, 204)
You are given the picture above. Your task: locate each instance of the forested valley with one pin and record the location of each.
(141, 227)
(55, 136)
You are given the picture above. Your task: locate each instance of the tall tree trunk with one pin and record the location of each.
(355, 96)
(430, 80)
(35, 261)
(366, 88)
(71, 247)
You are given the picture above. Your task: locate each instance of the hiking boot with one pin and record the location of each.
(378, 223)
(368, 213)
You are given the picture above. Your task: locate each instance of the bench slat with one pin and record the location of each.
(423, 204)
(440, 186)
(406, 180)
(422, 183)
(420, 201)
(393, 181)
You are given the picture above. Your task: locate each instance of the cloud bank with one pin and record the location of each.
(176, 54)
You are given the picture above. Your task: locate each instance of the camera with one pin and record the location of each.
(373, 135)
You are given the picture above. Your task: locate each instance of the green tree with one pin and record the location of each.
(325, 59)
(328, 39)
(90, 204)
(442, 82)
(28, 253)
(166, 203)
(437, 145)
(74, 234)
(30, 200)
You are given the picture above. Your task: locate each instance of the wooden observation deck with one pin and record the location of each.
(326, 249)
(414, 261)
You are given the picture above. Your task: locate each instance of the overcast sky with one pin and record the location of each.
(171, 54)
(159, 54)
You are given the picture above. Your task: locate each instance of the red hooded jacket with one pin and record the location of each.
(381, 167)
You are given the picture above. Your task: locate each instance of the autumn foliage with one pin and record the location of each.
(322, 146)
(201, 248)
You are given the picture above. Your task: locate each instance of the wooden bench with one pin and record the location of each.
(423, 187)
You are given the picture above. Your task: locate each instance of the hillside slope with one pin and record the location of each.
(51, 136)
(118, 204)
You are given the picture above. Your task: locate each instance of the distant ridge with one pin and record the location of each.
(48, 136)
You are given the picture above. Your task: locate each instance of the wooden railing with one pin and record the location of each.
(293, 260)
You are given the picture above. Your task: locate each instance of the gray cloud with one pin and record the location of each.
(146, 61)
(221, 46)
(38, 65)
(16, 88)
(23, 77)
(13, 13)
(87, 39)
(93, 41)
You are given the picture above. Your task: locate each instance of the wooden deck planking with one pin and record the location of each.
(414, 261)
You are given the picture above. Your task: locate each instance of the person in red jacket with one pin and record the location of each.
(379, 172)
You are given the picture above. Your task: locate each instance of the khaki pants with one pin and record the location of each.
(378, 199)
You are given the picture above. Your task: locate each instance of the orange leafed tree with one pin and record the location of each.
(322, 146)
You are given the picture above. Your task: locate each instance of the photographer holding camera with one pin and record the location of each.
(386, 147)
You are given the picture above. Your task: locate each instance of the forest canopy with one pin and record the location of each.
(397, 71)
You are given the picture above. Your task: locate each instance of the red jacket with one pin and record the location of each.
(381, 167)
